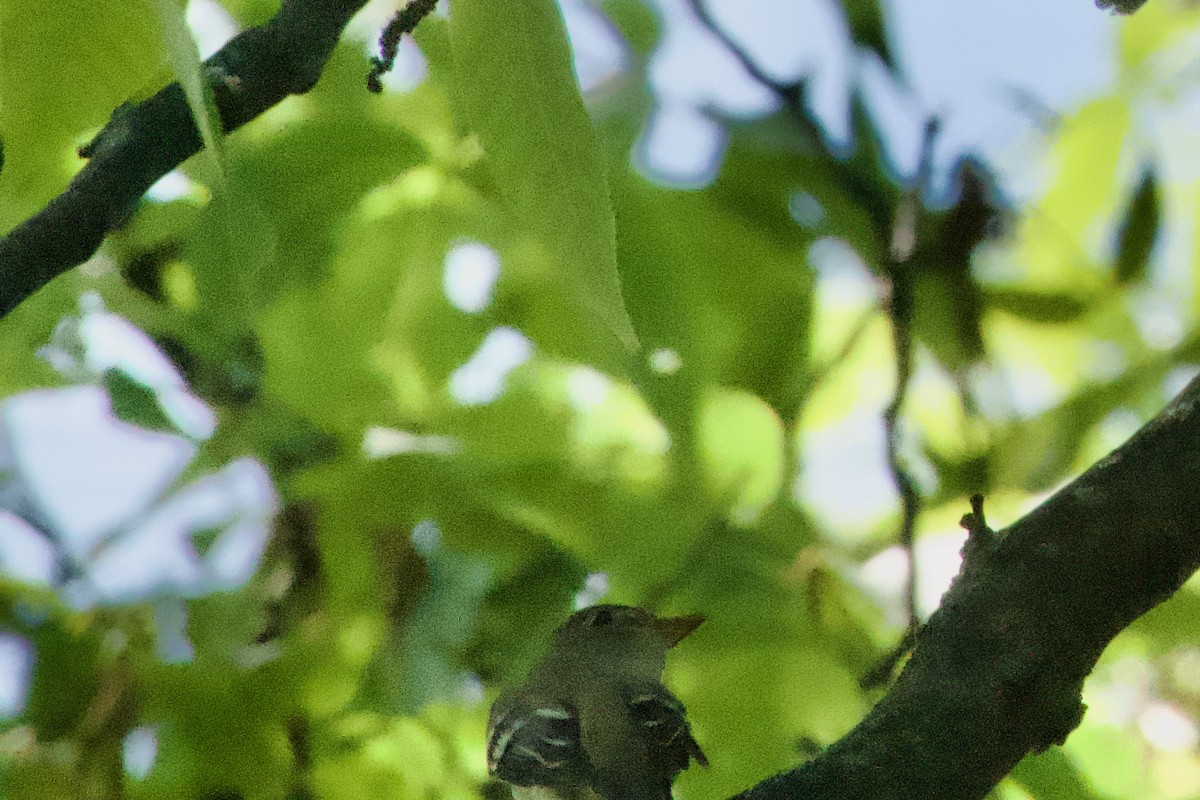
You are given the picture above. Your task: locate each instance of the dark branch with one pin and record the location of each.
(790, 95)
(902, 297)
(1121, 6)
(997, 671)
(253, 72)
(405, 21)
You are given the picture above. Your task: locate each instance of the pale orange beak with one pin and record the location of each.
(673, 629)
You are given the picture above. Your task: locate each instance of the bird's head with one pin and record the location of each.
(622, 633)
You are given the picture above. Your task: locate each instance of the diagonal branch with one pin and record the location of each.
(253, 72)
(997, 671)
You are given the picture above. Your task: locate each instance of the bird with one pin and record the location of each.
(593, 721)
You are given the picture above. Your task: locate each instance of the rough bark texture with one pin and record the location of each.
(141, 143)
(997, 671)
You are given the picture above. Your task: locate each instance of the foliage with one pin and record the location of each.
(491, 364)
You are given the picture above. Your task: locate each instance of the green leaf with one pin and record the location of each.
(517, 89)
(418, 666)
(65, 677)
(739, 294)
(135, 402)
(189, 71)
(867, 29)
(1038, 452)
(64, 66)
(742, 449)
(1052, 776)
(1035, 306)
(520, 613)
(1138, 231)
(1173, 624)
(639, 23)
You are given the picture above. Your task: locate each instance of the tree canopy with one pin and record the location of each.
(325, 396)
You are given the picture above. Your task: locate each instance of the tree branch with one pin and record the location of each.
(997, 671)
(900, 307)
(253, 72)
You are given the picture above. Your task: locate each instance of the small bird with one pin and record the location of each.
(593, 720)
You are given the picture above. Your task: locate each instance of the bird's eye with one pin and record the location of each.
(603, 616)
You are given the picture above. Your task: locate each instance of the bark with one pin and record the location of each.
(997, 671)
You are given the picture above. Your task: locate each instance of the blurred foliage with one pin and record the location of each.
(650, 425)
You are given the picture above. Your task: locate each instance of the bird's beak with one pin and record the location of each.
(673, 629)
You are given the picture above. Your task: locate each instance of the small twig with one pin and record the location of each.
(975, 523)
(791, 95)
(405, 21)
(900, 300)
(979, 536)
(900, 311)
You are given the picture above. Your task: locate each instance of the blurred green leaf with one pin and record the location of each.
(742, 452)
(1138, 231)
(521, 611)
(1036, 453)
(519, 88)
(135, 402)
(422, 663)
(189, 71)
(684, 258)
(64, 67)
(65, 681)
(1052, 776)
(1172, 624)
(867, 28)
(1042, 307)
(639, 23)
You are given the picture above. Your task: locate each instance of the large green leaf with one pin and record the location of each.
(517, 90)
(739, 296)
(189, 71)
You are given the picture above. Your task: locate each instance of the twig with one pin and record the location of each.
(405, 21)
(980, 537)
(900, 313)
(900, 300)
(791, 95)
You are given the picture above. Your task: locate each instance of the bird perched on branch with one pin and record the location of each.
(593, 720)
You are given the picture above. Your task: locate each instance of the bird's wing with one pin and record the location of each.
(663, 721)
(532, 742)
(638, 756)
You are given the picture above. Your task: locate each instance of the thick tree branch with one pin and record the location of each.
(997, 671)
(141, 143)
